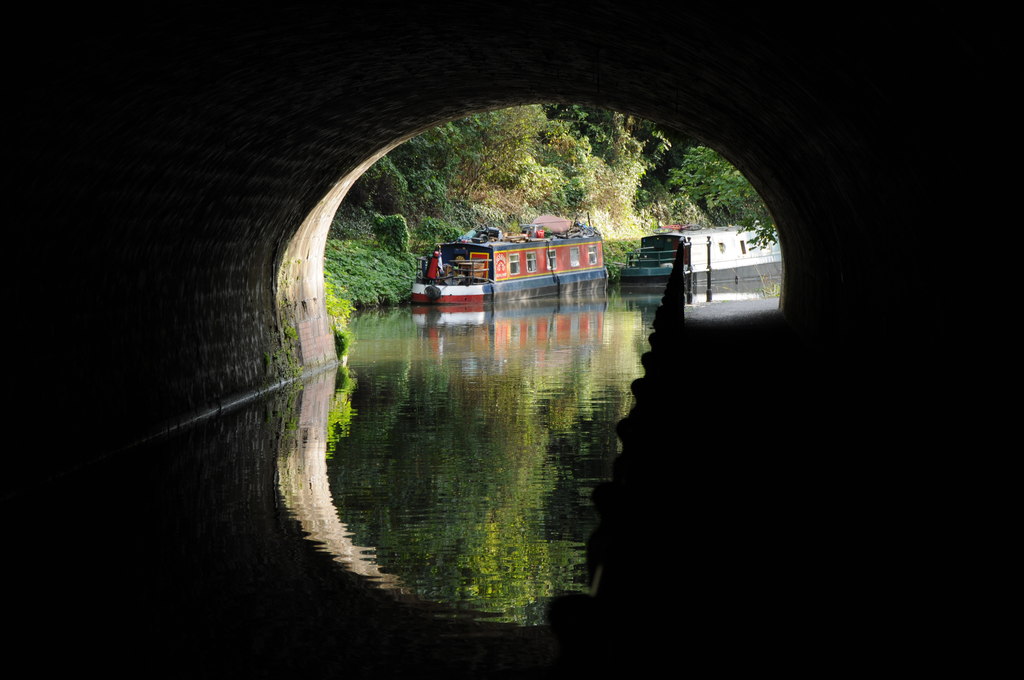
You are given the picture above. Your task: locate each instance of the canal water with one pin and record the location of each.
(416, 510)
(463, 446)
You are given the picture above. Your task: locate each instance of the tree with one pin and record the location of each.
(723, 192)
(506, 166)
(392, 233)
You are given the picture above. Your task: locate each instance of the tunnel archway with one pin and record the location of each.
(169, 165)
(215, 155)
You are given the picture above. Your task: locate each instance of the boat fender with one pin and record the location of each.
(433, 292)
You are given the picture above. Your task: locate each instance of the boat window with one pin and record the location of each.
(743, 247)
(721, 246)
(592, 254)
(513, 264)
(531, 262)
(574, 256)
(552, 260)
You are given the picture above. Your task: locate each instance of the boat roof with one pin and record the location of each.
(498, 238)
(505, 243)
(698, 230)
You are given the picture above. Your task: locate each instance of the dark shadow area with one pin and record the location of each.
(799, 523)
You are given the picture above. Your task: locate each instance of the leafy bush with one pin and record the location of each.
(720, 189)
(366, 274)
(352, 221)
(615, 256)
(431, 231)
(392, 233)
(339, 310)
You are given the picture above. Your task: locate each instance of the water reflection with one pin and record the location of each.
(726, 289)
(302, 475)
(461, 448)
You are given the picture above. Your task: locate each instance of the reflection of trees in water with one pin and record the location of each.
(340, 412)
(468, 482)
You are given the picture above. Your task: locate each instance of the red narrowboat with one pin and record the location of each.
(488, 265)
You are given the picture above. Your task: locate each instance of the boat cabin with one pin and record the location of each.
(532, 263)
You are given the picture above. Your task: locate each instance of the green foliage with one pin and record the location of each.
(503, 168)
(353, 221)
(707, 178)
(433, 230)
(506, 167)
(343, 340)
(366, 275)
(615, 253)
(339, 310)
(384, 185)
(392, 233)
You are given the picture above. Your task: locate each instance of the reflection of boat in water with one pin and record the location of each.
(547, 331)
(710, 255)
(474, 315)
(487, 265)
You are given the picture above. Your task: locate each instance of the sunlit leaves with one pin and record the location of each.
(707, 178)
(365, 274)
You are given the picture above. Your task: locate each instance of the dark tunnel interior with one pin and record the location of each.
(172, 168)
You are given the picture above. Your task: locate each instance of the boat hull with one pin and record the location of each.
(442, 294)
(659, 276)
(645, 276)
(550, 285)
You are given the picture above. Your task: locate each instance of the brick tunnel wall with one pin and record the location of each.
(172, 175)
